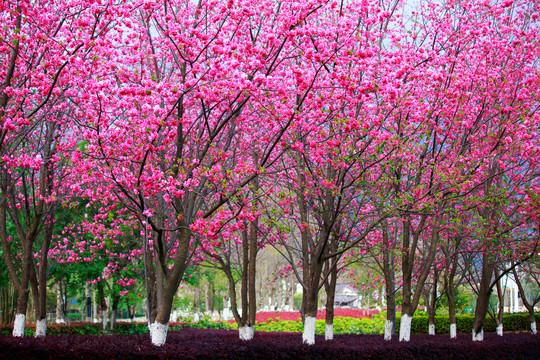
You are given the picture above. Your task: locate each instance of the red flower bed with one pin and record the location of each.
(264, 316)
(224, 344)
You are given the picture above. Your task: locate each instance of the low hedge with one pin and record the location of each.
(511, 323)
(124, 328)
(517, 322)
(74, 328)
(342, 325)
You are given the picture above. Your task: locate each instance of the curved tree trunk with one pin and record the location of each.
(482, 301)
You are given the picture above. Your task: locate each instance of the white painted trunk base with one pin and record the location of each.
(431, 329)
(246, 333)
(308, 336)
(388, 326)
(500, 330)
(60, 321)
(158, 333)
(329, 332)
(533, 328)
(479, 336)
(453, 332)
(405, 328)
(41, 328)
(18, 326)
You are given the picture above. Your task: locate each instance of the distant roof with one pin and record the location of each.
(340, 287)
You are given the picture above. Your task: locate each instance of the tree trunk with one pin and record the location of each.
(131, 311)
(390, 325)
(171, 281)
(390, 283)
(308, 335)
(211, 300)
(59, 304)
(482, 301)
(115, 302)
(431, 304)
(330, 288)
(41, 300)
(500, 312)
(196, 302)
(292, 290)
(88, 298)
(22, 296)
(532, 319)
(8, 298)
(20, 315)
(248, 290)
(450, 291)
(451, 295)
(311, 301)
(103, 305)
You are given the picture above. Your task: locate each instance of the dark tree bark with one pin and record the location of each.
(330, 288)
(114, 310)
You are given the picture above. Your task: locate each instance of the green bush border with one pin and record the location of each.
(342, 325)
(516, 322)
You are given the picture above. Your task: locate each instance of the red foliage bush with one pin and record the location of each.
(224, 344)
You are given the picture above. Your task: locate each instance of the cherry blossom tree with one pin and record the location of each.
(42, 44)
(167, 136)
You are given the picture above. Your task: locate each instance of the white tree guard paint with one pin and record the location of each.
(405, 328)
(308, 336)
(533, 328)
(41, 328)
(453, 332)
(431, 329)
(500, 329)
(158, 333)
(388, 326)
(246, 333)
(479, 336)
(329, 332)
(18, 326)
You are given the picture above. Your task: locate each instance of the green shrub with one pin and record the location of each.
(279, 326)
(75, 328)
(129, 328)
(464, 323)
(342, 325)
